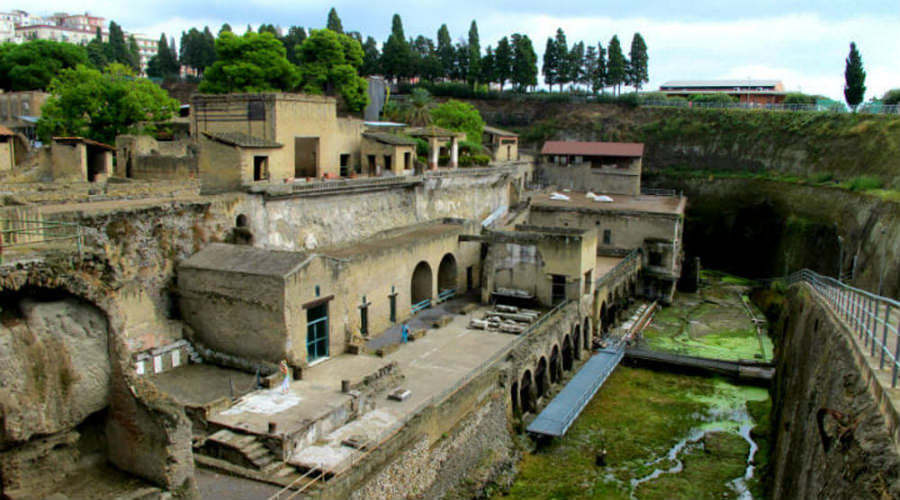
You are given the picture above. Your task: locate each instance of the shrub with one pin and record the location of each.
(799, 98)
(891, 97)
(722, 98)
(820, 177)
(865, 182)
(481, 159)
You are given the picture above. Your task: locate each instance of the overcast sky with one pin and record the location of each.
(802, 43)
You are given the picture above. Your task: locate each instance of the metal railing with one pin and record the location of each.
(873, 318)
(326, 186)
(446, 294)
(18, 233)
(418, 306)
(620, 269)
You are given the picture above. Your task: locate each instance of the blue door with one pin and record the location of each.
(316, 333)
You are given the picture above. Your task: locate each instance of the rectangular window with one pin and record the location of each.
(655, 259)
(558, 289)
(587, 282)
(607, 237)
(260, 168)
(256, 111)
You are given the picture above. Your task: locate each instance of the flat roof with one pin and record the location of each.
(626, 149)
(720, 83)
(246, 260)
(499, 131)
(667, 205)
(396, 239)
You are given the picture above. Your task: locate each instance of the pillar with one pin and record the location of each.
(454, 152)
(433, 148)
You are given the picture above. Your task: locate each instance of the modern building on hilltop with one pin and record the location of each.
(746, 91)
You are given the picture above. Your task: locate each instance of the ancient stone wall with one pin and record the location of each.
(854, 452)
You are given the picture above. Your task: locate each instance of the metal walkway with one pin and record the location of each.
(558, 416)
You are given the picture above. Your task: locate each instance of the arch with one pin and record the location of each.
(540, 377)
(420, 285)
(526, 396)
(555, 373)
(241, 221)
(604, 317)
(447, 275)
(567, 353)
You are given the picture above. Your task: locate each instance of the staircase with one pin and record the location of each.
(244, 450)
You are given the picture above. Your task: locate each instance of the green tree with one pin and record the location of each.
(254, 62)
(100, 106)
(445, 51)
(116, 46)
(601, 77)
(32, 65)
(503, 59)
(563, 68)
(371, 58)
(524, 66)
(395, 55)
(329, 63)
(269, 28)
(615, 69)
(487, 64)
(473, 70)
(225, 27)
(291, 41)
(134, 54)
(575, 60)
(334, 22)
(591, 66)
(164, 64)
(639, 61)
(550, 69)
(459, 116)
(854, 78)
(96, 51)
(891, 97)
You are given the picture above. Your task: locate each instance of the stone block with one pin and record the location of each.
(384, 351)
(468, 308)
(416, 335)
(442, 321)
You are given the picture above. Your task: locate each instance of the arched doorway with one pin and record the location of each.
(604, 318)
(525, 394)
(420, 288)
(554, 365)
(447, 275)
(540, 377)
(567, 353)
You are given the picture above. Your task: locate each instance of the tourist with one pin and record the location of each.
(404, 332)
(286, 382)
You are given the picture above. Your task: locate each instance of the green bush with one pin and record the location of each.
(722, 98)
(470, 147)
(865, 182)
(421, 147)
(821, 177)
(891, 97)
(481, 159)
(799, 98)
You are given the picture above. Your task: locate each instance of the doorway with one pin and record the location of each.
(306, 157)
(317, 333)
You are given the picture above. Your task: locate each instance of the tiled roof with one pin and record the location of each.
(5, 131)
(627, 149)
(392, 139)
(241, 140)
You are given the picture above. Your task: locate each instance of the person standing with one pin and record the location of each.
(404, 332)
(286, 382)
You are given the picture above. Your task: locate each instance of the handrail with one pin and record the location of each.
(867, 314)
(618, 269)
(27, 232)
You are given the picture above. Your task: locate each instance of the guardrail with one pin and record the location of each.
(619, 269)
(446, 294)
(18, 233)
(418, 306)
(870, 316)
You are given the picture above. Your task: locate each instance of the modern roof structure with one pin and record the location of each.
(575, 148)
(433, 131)
(241, 140)
(774, 85)
(246, 260)
(392, 139)
(85, 140)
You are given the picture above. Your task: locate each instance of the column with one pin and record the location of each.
(454, 152)
(433, 148)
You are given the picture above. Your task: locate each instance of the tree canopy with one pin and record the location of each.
(459, 116)
(32, 65)
(524, 73)
(164, 64)
(330, 63)
(100, 106)
(854, 78)
(254, 62)
(334, 22)
(638, 74)
(395, 55)
(616, 66)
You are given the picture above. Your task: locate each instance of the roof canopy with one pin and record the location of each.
(499, 132)
(433, 131)
(575, 148)
(242, 140)
(246, 260)
(84, 140)
(392, 139)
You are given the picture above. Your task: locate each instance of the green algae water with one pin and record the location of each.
(665, 435)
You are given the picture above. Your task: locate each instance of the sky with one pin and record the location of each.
(802, 43)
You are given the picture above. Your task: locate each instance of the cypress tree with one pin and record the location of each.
(615, 69)
(334, 22)
(502, 62)
(445, 51)
(395, 56)
(473, 71)
(854, 78)
(639, 59)
(550, 69)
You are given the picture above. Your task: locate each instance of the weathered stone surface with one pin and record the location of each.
(854, 455)
(54, 366)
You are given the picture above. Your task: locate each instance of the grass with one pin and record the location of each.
(637, 417)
